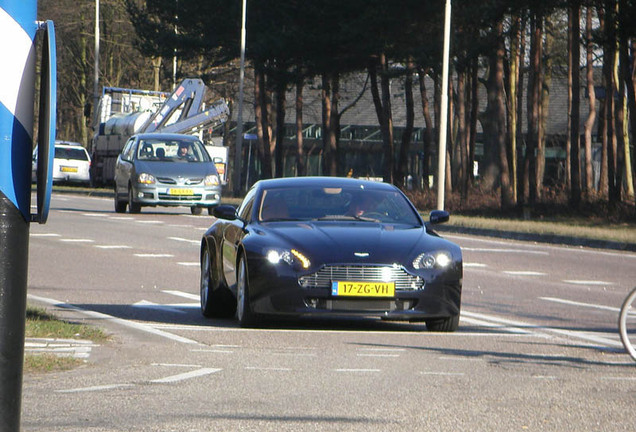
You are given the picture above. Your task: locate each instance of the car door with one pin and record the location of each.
(233, 235)
(123, 167)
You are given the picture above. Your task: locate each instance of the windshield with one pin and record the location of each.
(336, 204)
(172, 150)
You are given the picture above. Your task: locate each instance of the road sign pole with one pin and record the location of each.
(18, 27)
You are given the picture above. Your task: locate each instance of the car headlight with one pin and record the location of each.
(430, 260)
(211, 180)
(145, 178)
(290, 257)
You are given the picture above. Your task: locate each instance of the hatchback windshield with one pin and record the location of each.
(319, 203)
(172, 151)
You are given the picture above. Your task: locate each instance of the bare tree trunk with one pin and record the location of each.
(534, 89)
(262, 122)
(513, 81)
(301, 168)
(383, 111)
(428, 132)
(401, 168)
(281, 87)
(474, 114)
(330, 121)
(603, 119)
(461, 154)
(625, 96)
(574, 56)
(589, 123)
(610, 55)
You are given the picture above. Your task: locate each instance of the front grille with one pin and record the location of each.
(362, 273)
(188, 181)
(166, 197)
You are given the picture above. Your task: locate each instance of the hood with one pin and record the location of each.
(176, 169)
(351, 242)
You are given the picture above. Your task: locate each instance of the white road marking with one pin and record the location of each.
(149, 305)
(149, 222)
(187, 375)
(182, 294)
(185, 240)
(100, 215)
(383, 349)
(95, 388)
(543, 330)
(443, 373)
(149, 255)
(267, 368)
(189, 264)
(113, 247)
(121, 321)
(523, 273)
(176, 365)
(123, 218)
(478, 265)
(45, 235)
(213, 351)
(503, 250)
(574, 303)
(587, 282)
(77, 240)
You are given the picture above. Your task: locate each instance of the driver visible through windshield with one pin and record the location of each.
(341, 204)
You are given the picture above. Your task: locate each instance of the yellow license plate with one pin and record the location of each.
(363, 289)
(68, 169)
(180, 191)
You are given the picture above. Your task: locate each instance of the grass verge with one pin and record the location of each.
(41, 324)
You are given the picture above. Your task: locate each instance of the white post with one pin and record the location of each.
(443, 124)
(96, 65)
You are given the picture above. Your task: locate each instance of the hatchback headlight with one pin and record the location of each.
(290, 257)
(430, 260)
(145, 178)
(211, 180)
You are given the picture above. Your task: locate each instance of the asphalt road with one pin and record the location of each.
(537, 347)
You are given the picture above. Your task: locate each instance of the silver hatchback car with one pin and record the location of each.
(157, 169)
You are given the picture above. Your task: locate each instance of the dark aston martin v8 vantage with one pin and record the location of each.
(316, 246)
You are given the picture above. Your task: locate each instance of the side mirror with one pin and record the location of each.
(439, 217)
(225, 211)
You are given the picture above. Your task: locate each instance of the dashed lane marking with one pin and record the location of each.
(587, 282)
(180, 239)
(187, 375)
(95, 388)
(523, 273)
(575, 303)
(113, 247)
(182, 294)
(77, 240)
(149, 255)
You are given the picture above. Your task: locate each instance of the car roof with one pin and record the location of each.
(323, 181)
(167, 136)
(68, 143)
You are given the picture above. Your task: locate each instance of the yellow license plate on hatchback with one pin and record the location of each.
(363, 289)
(180, 191)
(68, 169)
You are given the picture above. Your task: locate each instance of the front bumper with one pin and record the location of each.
(188, 196)
(276, 290)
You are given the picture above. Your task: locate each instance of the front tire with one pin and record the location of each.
(244, 313)
(627, 324)
(443, 324)
(120, 206)
(133, 207)
(196, 210)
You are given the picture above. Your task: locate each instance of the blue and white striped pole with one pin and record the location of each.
(18, 28)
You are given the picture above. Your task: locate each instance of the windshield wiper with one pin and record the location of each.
(348, 217)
